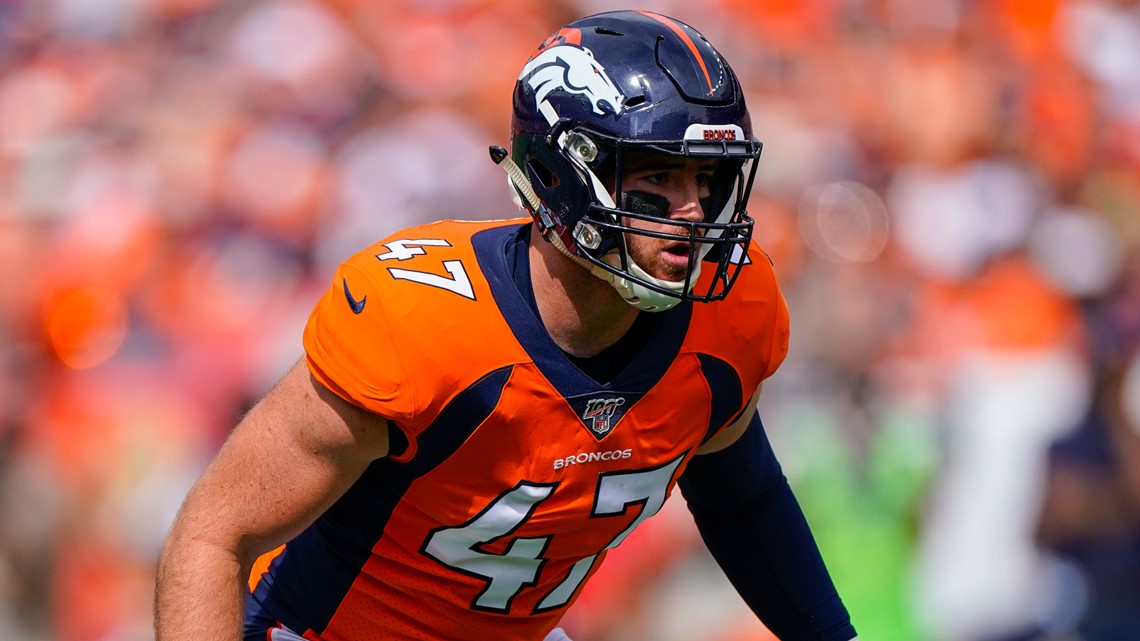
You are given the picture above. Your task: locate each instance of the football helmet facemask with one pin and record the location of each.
(621, 82)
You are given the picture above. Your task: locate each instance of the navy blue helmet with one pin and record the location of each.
(621, 82)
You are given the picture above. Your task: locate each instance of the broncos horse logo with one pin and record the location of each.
(573, 69)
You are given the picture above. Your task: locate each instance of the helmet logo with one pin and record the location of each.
(572, 69)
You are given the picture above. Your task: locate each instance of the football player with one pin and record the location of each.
(485, 408)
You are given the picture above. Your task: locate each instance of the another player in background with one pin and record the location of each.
(485, 408)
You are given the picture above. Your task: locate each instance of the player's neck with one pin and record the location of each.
(582, 313)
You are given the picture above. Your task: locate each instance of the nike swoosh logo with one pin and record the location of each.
(357, 306)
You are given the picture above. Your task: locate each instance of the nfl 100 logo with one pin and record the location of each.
(599, 414)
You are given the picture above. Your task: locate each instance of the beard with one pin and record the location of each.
(661, 258)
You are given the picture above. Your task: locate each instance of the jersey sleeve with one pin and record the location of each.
(350, 347)
(410, 323)
(761, 327)
(781, 330)
(748, 332)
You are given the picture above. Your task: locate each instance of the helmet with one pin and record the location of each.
(621, 82)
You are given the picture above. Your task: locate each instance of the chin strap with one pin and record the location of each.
(637, 295)
(556, 240)
(645, 299)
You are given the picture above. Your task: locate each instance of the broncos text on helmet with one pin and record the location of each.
(626, 82)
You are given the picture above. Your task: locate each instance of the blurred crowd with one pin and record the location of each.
(950, 191)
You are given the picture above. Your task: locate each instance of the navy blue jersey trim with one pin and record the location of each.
(492, 247)
(726, 389)
(309, 579)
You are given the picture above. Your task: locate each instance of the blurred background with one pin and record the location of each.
(950, 190)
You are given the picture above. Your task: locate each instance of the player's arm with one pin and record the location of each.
(289, 459)
(756, 531)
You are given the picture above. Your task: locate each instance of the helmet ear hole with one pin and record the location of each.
(542, 174)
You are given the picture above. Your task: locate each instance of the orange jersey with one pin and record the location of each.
(520, 471)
